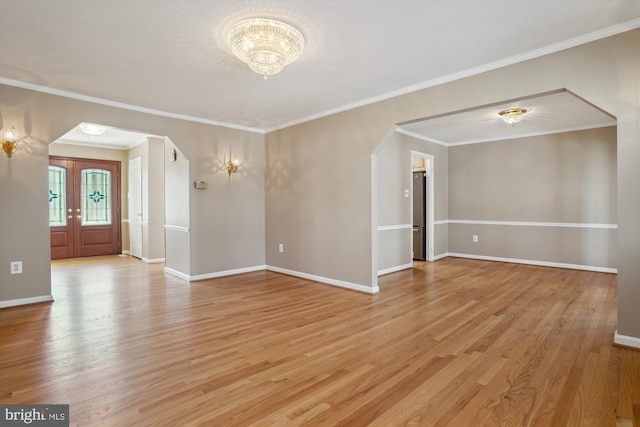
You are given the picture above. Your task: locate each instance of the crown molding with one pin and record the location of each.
(556, 47)
(115, 104)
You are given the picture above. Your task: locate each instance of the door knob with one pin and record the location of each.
(69, 210)
(78, 210)
(78, 216)
(70, 216)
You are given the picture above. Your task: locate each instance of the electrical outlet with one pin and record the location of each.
(16, 267)
(406, 193)
(280, 247)
(475, 238)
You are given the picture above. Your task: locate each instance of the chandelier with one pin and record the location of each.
(266, 45)
(512, 115)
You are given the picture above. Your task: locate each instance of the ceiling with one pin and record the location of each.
(168, 58)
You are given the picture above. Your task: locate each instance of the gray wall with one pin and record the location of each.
(316, 194)
(567, 178)
(152, 155)
(321, 180)
(226, 222)
(393, 157)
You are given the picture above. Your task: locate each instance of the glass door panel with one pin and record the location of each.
(96, 197)
(57, 196)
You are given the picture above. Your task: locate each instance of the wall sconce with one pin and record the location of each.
(9, 138)
(232, 166)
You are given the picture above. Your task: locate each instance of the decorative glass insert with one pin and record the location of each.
(96, 196)
(57, 196)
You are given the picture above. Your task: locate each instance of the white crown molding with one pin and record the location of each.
(524, 135)
(556, 47)
(109, 103)
(421, 137)
(532, 134)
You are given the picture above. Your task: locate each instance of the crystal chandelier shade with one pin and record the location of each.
(513, 115)
(266, 45)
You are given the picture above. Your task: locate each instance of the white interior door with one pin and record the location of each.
(135, 207)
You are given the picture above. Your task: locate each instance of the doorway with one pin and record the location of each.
(135, 207)
(84, 207)
(422, 206)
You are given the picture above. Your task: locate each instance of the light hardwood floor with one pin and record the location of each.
(452, 343)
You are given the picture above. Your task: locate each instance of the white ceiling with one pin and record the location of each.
(166, 57)
(112, 138)
(558, 111)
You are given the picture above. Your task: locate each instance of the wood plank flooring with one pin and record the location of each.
(457, 342)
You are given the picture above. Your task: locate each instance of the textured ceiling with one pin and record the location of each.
(167, 57)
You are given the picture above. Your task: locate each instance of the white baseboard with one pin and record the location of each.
(626, 341)
(226, 273)
(177, 273)
(126, 252)
(534, 262)
(326, 280)
(25, 301)
(153, 260)
(440, 256)
(394, 269)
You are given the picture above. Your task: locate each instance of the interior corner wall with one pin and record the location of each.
(548, 199)
(319, 173)
(176, 211)
(394, 210)
(229, 214)
(233, 212)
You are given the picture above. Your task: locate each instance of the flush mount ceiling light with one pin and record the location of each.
(93, 130)
(512, 115)
(266, 45)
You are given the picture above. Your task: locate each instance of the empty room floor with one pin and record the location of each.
(456, 342)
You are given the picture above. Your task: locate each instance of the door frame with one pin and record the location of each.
(134, 216)
(116, 214)
(429, 200)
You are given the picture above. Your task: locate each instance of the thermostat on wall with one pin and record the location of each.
(200, 185)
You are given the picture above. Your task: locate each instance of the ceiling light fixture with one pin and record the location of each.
(93, 130)
(512, 115)
(266, 45)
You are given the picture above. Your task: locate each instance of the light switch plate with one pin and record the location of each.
(200, 185)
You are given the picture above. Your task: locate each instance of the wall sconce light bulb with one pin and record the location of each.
(232, 166)
(9, 137)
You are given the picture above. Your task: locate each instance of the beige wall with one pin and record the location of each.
(316, 194)
(152, 155)
(394, 167)
(567, 178)
(321, 181)
(226, 222)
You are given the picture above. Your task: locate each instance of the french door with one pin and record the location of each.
(84, 207)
